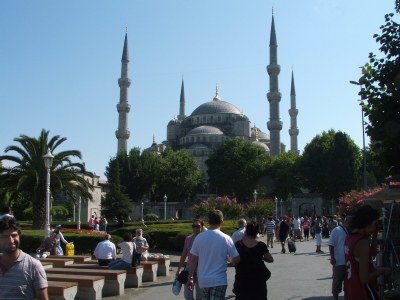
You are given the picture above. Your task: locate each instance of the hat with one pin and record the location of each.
(58, 226)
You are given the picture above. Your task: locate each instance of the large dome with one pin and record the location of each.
(216, 107)
(205, 130)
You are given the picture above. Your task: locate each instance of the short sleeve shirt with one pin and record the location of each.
(26, 276)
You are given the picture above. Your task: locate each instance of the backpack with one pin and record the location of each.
(135, 258)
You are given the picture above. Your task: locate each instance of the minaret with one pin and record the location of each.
(274, 96)
(293, 111)
(181, 115)
(123, 106)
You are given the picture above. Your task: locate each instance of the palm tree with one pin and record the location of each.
(27, 176)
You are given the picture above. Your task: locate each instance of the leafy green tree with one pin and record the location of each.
(235, 167)
(137, 172)
(27, 177)
(179, 176)
(330, 164)
(116, 203)
(380, 94)
(283, 181)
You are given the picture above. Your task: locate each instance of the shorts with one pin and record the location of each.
(215, 292)
(339, 273)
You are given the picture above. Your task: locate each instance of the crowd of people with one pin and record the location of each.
(207, 252)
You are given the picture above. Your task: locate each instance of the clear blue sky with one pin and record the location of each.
(60, 62)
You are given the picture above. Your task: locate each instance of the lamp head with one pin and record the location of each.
(48, 159)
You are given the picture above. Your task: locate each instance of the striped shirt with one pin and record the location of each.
(26, 276)
(270, 227)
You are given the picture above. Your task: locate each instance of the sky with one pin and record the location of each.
(60, 62)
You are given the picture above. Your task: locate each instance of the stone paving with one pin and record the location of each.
(304, 275)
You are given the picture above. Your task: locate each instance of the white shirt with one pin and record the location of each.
(336, 240)
(212, 248)
(296, 223)
(105, 250)
(238, 234)
(127, 249)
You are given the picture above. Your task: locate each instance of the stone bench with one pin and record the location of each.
(133, 275)
(89, 287)
(149, 270)
(58, 290)
(163, 265)
(58, 262)
(76, 258)
(114, 279)
(46, 264)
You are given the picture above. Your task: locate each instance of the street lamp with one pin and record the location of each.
(276, 208)
(79, 210)
(165, 206)
(48, 161)
(363, 136)
(255, 196)
(141, 214)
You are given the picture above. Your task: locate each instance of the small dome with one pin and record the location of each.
(216, 107)
(205, 130)
(173, 122)
(260, 135)
(262, 145)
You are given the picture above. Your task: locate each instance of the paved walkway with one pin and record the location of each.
(305, 275)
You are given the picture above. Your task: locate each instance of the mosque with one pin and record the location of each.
(216, 121)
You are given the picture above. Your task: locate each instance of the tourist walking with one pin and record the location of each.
(360, 248)
(197, 227)
(270, 229)
(22, 276)
(338, 261)
(210, 251)
(239, 234)
(318, 234)
(251, 273)
(283, 233)
(306, 228)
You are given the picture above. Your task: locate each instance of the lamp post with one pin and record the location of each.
(363, 136)
(255, 196)
(276, 208)
(141, 214)
(48, 161)
(165, 206)
(281, 208)
(79, 211)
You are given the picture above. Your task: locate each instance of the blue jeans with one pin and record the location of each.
(119, 264)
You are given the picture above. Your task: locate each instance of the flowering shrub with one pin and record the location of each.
(263, 207)
(349, 203)
(229, 207)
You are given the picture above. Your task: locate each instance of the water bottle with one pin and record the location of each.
(176, 287)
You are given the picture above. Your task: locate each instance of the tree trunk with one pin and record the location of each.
(39, 212)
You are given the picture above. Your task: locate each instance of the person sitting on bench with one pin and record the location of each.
(105, 251)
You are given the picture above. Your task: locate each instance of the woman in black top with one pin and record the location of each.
(251, 272)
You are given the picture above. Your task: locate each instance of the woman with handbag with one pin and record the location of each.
(198, 226)
(251, 272)
(127, 247)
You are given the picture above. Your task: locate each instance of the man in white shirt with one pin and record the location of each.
(239, 234)
(336, 251)
(105, 251)
(211, 250)
(296, 228)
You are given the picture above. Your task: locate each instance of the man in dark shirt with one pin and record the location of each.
(283, 232)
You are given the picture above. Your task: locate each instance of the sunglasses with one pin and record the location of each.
(196, 226)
